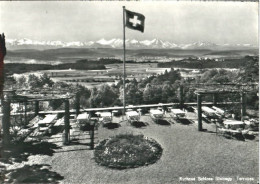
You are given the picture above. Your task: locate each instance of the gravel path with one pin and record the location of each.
(186, 153)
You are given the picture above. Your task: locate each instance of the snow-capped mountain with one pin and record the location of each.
(26, 43)
(201, 45)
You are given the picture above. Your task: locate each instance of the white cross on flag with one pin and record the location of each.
(134, 20)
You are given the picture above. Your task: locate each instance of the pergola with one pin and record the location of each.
(36, 96)
(10, 96)
(203, 92)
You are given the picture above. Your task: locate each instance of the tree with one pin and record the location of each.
(92, 99)
(103, 97)
(167, 92)
(21, 82)
(152, 94)
(147, 94)
(46, 80)
(133, 94)
(55, 104)
(174, 75)
(34, 81)
(10, 82)
(61, 85)
(250, 71)
(84, 94)
(208, 75)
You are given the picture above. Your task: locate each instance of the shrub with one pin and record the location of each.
(127, 151)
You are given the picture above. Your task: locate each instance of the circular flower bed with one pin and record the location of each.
(127, 151)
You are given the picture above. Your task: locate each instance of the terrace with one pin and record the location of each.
(185, 150)
(186, 153)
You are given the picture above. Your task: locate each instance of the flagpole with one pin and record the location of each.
(124, 59)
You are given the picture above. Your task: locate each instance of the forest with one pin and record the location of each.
(208, 63)
(11, 68)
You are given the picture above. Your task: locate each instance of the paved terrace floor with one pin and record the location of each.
(186, 153)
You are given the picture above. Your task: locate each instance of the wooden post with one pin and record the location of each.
(215, 99)
(67, 121)
(77, 104)
(6, 121)
(181, 99)
(92, 134)
(199, 112)
(243, 105)
(36, 108)
(25, 113)
(92, 137)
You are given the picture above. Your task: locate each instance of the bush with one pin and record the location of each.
(127, 151)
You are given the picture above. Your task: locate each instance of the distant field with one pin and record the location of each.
(70, 55)
(77, 66)
(113, 71)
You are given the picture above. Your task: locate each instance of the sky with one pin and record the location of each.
(178, 22)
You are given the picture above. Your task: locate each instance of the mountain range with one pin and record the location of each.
(25, 43)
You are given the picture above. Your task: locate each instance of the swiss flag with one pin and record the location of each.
(134, 20)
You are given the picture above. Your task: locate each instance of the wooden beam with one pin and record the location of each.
(133, 107)
(208, 92)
